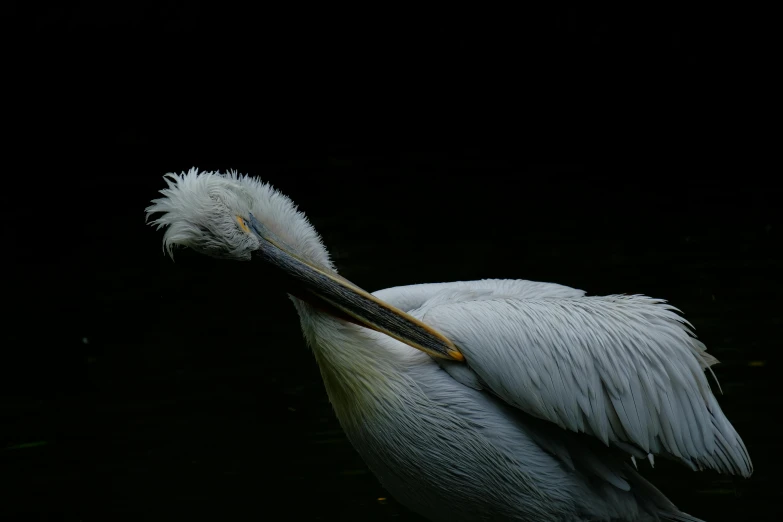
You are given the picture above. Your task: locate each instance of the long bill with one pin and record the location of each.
(337, 293)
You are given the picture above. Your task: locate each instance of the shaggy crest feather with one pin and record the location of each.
(200, 210)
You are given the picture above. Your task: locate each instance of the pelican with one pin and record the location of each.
(479, 400)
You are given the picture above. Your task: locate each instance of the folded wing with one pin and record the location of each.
(625, 369)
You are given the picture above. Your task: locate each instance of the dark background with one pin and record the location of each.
(617, 152)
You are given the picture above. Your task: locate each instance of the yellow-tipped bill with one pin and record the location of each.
(340, 294)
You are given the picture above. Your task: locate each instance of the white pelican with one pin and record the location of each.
(480, 400)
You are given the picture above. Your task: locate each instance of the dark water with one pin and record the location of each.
(184, 391)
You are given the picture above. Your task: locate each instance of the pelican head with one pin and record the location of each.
(238, 217)
(213, 214)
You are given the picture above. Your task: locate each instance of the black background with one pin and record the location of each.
(613, 151)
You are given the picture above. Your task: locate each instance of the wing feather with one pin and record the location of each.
(626, 369)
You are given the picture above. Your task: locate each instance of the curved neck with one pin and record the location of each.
(360, 367)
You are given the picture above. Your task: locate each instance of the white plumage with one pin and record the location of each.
(624, 369)
(556, 393)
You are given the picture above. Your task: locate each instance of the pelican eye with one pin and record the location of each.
(243, 224)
